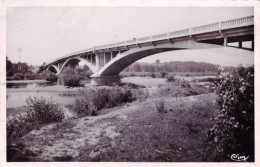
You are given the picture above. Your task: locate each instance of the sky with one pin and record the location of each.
(46, 33)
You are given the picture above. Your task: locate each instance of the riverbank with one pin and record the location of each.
(133, 132)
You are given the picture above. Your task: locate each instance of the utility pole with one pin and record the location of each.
(20, 51)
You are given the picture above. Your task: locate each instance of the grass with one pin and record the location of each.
(140, 133)
(179, 137)
(180, 88)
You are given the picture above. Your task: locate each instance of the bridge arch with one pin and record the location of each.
(123, 60)
(53, 68)
(75, 61)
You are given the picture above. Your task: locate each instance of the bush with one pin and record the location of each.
(140, 94)
(233, 131)
(160, 107)
(152, 75)
(71, 77)
(18, 76)
(170, 79)
(46, 111)
(163, 74)
(29, 76)
(49, 76)
(95, 100)
(39, 111)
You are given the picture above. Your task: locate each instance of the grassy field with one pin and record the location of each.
(133, 132)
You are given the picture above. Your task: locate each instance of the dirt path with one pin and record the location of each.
(68, 140)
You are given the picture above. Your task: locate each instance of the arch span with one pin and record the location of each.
(53, 69)
(122, 60)
(75, 61)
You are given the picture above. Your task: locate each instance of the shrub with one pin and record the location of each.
(49, 76)
(170, 79)
(95, 100)
(140, 94)
(20, 124)
(160, 107)
(71, 77)
(132, 74)
(72, 80)
(46, 111)
(39, 111)
(18, 76)
(233, 131)
(29, 76)
(163, 74)
(152, 75)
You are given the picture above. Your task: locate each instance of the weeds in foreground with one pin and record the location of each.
(160, 108)
(39, 111)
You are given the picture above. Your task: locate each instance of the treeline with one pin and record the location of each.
(21, 71)
(176, 66)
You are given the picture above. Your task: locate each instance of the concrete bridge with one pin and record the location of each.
(107, 61)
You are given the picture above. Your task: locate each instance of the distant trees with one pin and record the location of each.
(18, 71)
(41, 68)
(177, 66)
(137, 67)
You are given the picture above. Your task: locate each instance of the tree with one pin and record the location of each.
(137, 67)
(233, 131)
(9, 66)
(41, 68)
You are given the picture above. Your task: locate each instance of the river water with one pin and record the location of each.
(19, 91)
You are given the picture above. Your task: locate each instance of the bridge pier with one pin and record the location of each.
(105, 80)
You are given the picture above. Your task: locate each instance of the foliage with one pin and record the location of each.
(39, 111)
(160, 107)
(153, 75)
(50, 76)
(180, 88)
(138, 67)
(46, 111)
(140, 94)
(170, 78)
(41, 68)
(174, 66)
(71, 77)
(233, 131)
(98, 99)
(17, 76)
(163, 74)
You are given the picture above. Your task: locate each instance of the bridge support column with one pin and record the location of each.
(225, 41)
(105, 80)
(97, 62)
(240, 44)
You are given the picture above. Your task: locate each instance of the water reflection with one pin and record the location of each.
(29, 84)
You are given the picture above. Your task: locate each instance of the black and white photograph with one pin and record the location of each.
(130, 84)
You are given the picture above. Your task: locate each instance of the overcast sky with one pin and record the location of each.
(45, 33)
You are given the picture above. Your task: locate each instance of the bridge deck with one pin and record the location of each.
(169, 36)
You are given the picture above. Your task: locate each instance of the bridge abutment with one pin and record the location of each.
(105, 80)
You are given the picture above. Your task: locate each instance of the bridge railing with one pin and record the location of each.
(204, 28)
(245, 21)
(185, 32)
(179, 33)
